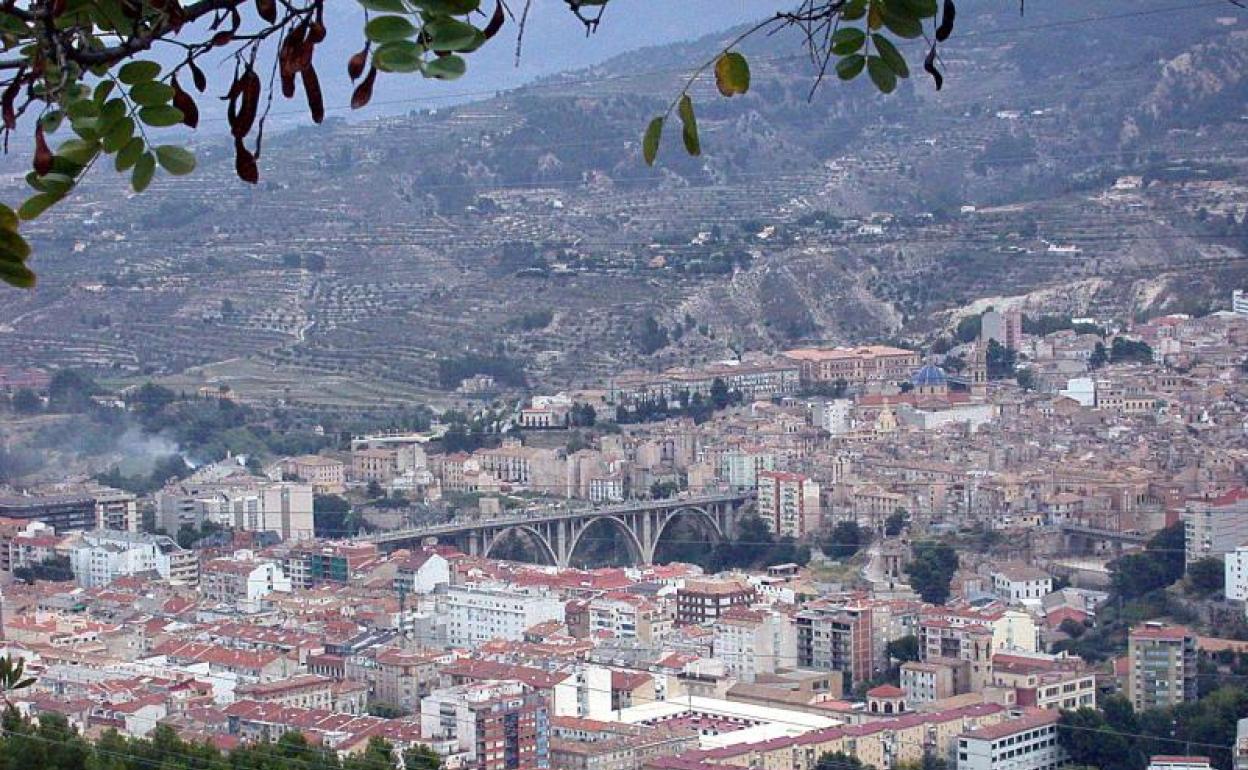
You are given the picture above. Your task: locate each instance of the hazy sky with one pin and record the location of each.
(554, 41)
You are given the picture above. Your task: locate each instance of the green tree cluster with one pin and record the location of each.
(753, 546)
(1119, 738)
(896, 522)
(333, 517)
(931, 570)
(695, 406)
(1000, 361)
(1124, 350)
(1160, 565)
(1099, 357)
(844, 540)
(71, 391)
(53, 744)
(1206, 577)
(505, 371)
(904, 649)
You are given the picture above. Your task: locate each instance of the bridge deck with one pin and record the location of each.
(550, 515)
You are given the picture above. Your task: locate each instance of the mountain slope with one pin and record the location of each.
(845, 217)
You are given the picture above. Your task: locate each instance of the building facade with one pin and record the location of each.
(1162, 666)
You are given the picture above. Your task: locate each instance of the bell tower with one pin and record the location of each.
(979, 371)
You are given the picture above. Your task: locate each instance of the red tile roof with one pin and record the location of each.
(1030, 721)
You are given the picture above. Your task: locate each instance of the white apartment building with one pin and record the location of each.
(1216, 526)
(250, 505)
(115, 509)
(607, 489)
(788, 502)
(752, 642)
(836, 416)
(477, 614)
(585, 693)
(1239, 301)
(739, 468)
(1022, 584)
(1026, 743)
(102, 556)
(628, 618)
(1237, 574)
(242, 580)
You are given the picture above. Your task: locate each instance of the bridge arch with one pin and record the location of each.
(543, 545)
(705, 519)
(635, 548)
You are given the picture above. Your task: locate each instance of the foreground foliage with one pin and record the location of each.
(54, 745)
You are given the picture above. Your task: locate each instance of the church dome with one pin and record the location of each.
(930, 376)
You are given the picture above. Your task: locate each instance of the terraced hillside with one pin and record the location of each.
(372, 251)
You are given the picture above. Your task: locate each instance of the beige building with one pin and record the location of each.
(380, 465)
(309, 691)
(1162, 666)
(856, 366)
(395, 677)
(326, 475)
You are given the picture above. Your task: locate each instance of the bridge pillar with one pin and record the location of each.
(561, 543)
(648, 535)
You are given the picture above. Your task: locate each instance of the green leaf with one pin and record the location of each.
(13, 248)
(138, 72)
(143, 172)
(385, 6)
(58, 184)
(732, 74)
(79, 151)
(902, 25)
(451, 35)
(102, 91)
(160, 117)
(398, 56)
(848, 40)
(891, 56)
(129, 154)
(446, 67)
(86, 128)
(151, 94)
(923, 9)
(8, 218)
(881, 74)
(82, 108)
(689, 126)
(112, 111)
(27, 682)
(118, 134)
(384, 29)
(450, 7)
(17, 274)
(650, 142)
(63, 165)
(178, 161)
(51, 121)
(35, 205)
(854, 10)
(850, 67)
